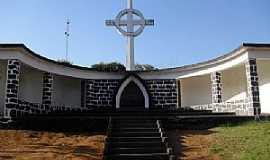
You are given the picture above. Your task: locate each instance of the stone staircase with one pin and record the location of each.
(136, 139)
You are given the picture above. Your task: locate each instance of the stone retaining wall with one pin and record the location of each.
(239, 107)
(26, 108)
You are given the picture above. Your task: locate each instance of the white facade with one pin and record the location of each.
(30, 88)
(67, 91)
(264, 82)
(195, 90)
(234, 85)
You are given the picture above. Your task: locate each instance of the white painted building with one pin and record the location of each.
(236, 82)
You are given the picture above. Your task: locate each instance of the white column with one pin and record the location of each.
(130, 4)
(130, 64)
(130, 54)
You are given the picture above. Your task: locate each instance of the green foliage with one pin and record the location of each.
(116, 67)
(248, 141)
(65, 62)
(109, 67)
(145, 67)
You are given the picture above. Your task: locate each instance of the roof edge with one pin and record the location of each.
(191, 66)
(25, 48)
(256, 45)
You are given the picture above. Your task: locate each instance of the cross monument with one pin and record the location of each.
(130, 26)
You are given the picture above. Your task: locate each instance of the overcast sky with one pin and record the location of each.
(186, 31)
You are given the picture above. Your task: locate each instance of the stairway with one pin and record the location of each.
(136, 139)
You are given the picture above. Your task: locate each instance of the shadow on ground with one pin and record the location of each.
(191, 144)
(67, 126)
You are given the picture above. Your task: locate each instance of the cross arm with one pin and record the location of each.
(149, 22)
(110, 23)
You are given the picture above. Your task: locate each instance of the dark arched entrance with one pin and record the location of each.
(132, 98)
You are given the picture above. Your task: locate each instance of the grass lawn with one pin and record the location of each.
(249, 141)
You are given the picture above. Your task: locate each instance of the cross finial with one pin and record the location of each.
(130, 23)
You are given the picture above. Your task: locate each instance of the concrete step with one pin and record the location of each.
(153, 156)
(142, 150)
(134, 125)
(135, 134)
(136, 139)
(134, 121)
(134, 130)
(135, 144)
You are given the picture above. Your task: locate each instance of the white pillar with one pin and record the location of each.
(130, 54)
(130, 64)
(130, 4)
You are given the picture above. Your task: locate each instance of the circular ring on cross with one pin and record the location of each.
(133, 12)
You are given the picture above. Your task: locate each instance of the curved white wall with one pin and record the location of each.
(264, 84)
(196, 90)
(234, 84)
(24, 56)
(3, 72)
(66, 91)
(30, 85)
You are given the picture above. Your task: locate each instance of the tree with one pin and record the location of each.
(118, 67)
(145, 67)
(64, 61)
(109, 67)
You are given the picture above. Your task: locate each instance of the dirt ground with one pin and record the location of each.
(34, 145)
(192, 144)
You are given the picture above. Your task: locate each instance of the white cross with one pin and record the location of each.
(130, 23)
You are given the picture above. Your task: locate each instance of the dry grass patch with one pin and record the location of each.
(25, 145)
(192, 144)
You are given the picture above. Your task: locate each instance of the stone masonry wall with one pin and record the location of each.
(253, 87)
(12, 87)
(239, 107)
(163, 93)
(47, 90)
(27, 108)
(216, 87)
(100, 93)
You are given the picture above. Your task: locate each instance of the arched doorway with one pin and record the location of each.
(132, 98)
(132, 95)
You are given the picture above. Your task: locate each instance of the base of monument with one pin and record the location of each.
(155, 113)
